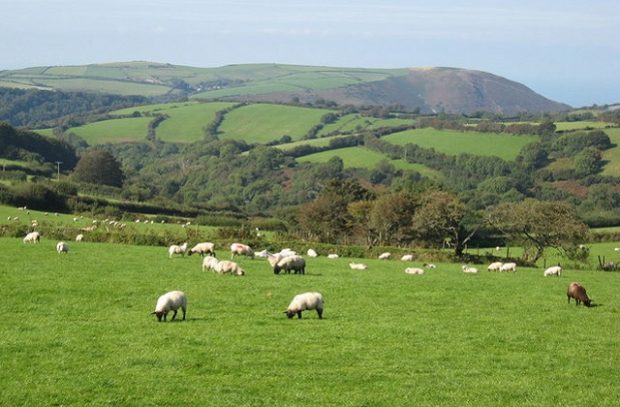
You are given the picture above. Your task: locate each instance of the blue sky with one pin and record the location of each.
(568, 51)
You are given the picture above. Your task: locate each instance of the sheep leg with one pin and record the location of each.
(299, 314)
(184, 314)
(320, 312)
(568, 298)
(174, 315)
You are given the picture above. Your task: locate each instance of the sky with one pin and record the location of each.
(568, 51)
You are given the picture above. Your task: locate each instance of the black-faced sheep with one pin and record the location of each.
(578, 292)
(303, 302)
(171, 301)
(32, 237)
(176, 249)
(62, 247)
(295, 263)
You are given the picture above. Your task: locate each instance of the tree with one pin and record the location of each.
(442, 215)
(390, 219)
(99, 167)
(537, 225)
(587, 162)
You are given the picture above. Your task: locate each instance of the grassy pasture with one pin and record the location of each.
(261, 123)
(114, 131)
(563, 126)
(78, 331)
(352, 122)
(456, 142)
(612, 156)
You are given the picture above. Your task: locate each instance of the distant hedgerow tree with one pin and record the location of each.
(99, 167)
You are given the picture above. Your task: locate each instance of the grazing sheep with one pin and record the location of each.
(32, 237)
(303, 302)
(332, 256)
(263, 254)
(240, 248)
(578, 292)
(203, 249)
(509, 267)
(229, 267)
(497, 248)
(358, 266)
(171, 301)
(79, 237)
(616, 249)
(312, 253)
(209, 263)
(414, 270)
(176, 249)
(407, 257)
(470, 270)
(287, 252)
(62, 247)
(553, 271)
(385, 256)
(495, 266)
(295, 263)
(430, 265)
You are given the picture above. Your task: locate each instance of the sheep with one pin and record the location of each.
(240, 248)
(263, 254)
(287, 252)
(295, 263)
(470, 270)
(553, 271)
(414, 270)
(229, 267)
(62, 247)
(176, 249)
(495, 266)
(407, 257)
(79, 237)
(203, 249)
(332, 256)
(358, 266)
(616, 249)
(430, 265)
(312, 253)
(578, 292)
(509, 267)
(32, 237)
(385, 256)
(171, 301)
(209, 263)
(497, 248)
(303, 302)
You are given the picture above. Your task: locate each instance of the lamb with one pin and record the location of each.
(332, 256)
(414, 270)
(171, 301)
(62, 247)
(303, 302)
(495, 266)
(553, 271)
(32, 237)
(358, 266)
(295, 263)
(203, 249)
(312, 253)
(407, 257)
(578, 292)
(385, 256)
(240, 248)
(79, 237)
(209, 263)
(509, 267)
(176, 249)
(229, 267)
(470, 270)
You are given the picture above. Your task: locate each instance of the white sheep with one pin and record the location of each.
(32, 237)
(263, 254)
(240, 248)
(509, 267)
(358, 266)
(407, 257)
(176, 249)
(287, 252)
(202, 249)
(468, 269)
(171, 301)
(414, 270)
(79, 237)
(303, 302)
(430, 265)
(294, 263)
(209, 263)
(385, 256)
(62, 247)
(229, 267)
(495, 266)
(312, 253)
(616, 249)
(332, 256)
(553, 271)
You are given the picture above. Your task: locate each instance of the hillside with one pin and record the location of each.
(429, 90)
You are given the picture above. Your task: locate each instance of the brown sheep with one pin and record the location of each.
(576, 291)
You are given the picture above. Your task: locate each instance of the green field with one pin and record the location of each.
(361, 157)
(612, 156)
(261, 123)
(354, 122)
(563, 126)
(77, 331)
(114, 131)
(454, 142)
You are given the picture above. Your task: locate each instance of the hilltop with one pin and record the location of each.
(427, 90)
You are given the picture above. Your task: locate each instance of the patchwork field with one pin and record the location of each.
(78, 332)
(355, 122)
(114, 131)
(611, 157)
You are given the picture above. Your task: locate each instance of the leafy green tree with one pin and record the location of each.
(390, 219)
(98, 167)
(587, 162)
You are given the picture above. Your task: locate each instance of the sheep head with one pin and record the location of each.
(159, 314)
